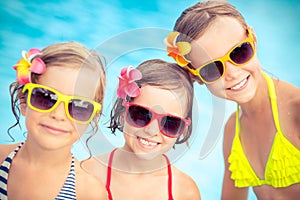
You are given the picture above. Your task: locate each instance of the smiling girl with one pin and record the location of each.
(51, 93)
(261, 139)
(154, 112)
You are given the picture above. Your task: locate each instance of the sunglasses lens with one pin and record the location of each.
(212, 71)
(80, 110)
(42, 99)
(172, 126)
(138, 116)
(242, 53)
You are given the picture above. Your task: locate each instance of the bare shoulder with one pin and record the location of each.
(5, 149)
(288, 93)
(230, 125)
(96, 166)
(293, 97)
(294, 107)
(229, 133)
(184, 187)
(289, 96)
(87, 182)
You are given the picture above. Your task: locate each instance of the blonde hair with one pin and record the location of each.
(73, 54)
(67, 55)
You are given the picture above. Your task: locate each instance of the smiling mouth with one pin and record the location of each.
(146, 142)
(240, 85)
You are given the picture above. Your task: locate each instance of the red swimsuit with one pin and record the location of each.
(108, 177)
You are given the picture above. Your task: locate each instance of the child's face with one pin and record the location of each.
(149, 141)
(238, 83)
(54, 129)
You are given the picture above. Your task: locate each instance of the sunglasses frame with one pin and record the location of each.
(60, 98)
(226, 58)
(157, 116)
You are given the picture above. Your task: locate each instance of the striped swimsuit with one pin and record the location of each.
(67, 192)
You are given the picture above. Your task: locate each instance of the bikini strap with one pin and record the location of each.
(108, 175)
(273, 99)
(237, 121)
(169, 178)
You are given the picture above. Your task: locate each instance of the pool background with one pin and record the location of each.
(27, 24)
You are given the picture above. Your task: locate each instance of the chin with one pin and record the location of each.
(245, 99)
(147, 156)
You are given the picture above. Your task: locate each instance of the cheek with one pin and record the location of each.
(257, 67)
(31, 115)
(127, 128)
(170, 141)
(32, 118)
(81, 128)
(253, 66)
(217, 89)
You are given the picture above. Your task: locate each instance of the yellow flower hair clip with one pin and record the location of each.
(29, 63)
(177, 50)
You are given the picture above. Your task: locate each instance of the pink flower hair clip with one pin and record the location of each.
(177, 50)
(127, 85)
(29, 63)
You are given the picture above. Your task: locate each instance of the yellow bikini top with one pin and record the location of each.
(283, 165)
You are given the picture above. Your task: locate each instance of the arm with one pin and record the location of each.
(192, 191)
(229, 191)
(184, 187)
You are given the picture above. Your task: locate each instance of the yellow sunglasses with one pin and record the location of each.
(238, 55)
(45, 99)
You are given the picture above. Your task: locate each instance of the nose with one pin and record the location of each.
(232, 71)
(152, 128)
(59, 112)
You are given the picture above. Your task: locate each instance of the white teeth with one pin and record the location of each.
(146, 142)
(240, 85)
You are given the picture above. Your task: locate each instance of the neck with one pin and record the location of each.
(260, 103)
(35, 155)
(130, 162)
